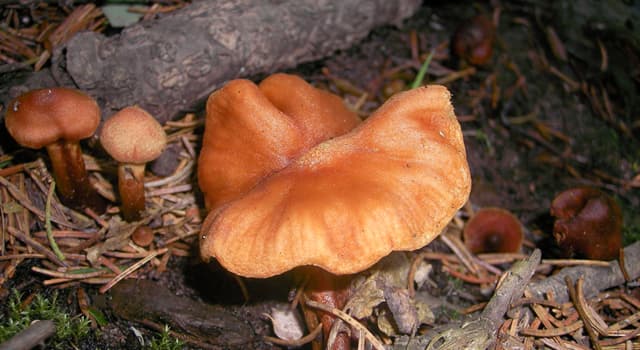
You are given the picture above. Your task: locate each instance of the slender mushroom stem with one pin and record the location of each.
(131, 187)
(331, 290)
(71, 176)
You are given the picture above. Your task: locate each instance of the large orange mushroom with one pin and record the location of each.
(58, 118)
(392, 183)
(253, 130)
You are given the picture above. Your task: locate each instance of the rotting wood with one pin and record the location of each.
(168, 65)
(139, 300)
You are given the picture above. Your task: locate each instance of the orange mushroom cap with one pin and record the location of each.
(493, 230)
(252, 131)
(133, 136)
(41, 117)
(393, 183)
(588, 223)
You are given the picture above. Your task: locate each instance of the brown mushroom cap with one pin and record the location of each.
(142, 236)
(41, 117)
(588, 223)
(393, 183)
(133, 136)
(252, 131)
(493, 230)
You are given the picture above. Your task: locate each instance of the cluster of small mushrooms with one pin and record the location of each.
(59, 118)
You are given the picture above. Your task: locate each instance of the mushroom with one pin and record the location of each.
(493, 230)
(473, 40)
(142, 236)
(588, 223)
(392, 183)
(252, 131)
(57, 119)
(133, 138)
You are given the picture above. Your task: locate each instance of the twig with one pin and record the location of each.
(35, 245)
(573, 294)
(553, 332)
(131, 269)
(575, 262)
(348, 319)
(69, 275)
(25, 202)
(30, 337)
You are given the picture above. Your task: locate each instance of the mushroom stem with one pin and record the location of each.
(331, 290)
(131, 188)
(70, 174)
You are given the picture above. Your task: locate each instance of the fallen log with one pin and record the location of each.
(168, 65)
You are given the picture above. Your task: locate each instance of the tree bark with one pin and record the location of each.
(168, 65)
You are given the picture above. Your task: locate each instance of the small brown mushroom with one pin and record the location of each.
(142, 236)
(133, 138)
(473, 40)
(57, 119)
(588, 223)
(392, 183)
(493, 230)
(252, 131)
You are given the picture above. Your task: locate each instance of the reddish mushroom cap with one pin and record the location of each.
(41, 117)
(473, 40)
(133, 136)
(493, 230)
(142, 235)
(252, 131)
(588, 223)
(393, 183)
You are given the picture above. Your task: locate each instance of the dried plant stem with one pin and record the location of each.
(47, 223)
(35, 245)
(131, 269)
(575, 262)
(350, 320)
(553, 332)
(25, 202)
(69, 275)
(575, 297)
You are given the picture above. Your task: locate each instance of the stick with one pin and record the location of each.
(31, 336)
(35, 245)
(170, 64)
(350, 320)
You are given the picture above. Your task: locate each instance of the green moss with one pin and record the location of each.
(70, 330)
(165, 341)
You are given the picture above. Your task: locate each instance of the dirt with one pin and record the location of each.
(512, 163)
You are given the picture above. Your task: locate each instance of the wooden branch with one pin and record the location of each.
(596, 278)
(31, 336)
(169, 65)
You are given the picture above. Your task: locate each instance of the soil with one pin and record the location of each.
(516, 163)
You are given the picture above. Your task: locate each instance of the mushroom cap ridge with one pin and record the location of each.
(254, 130)
(393, 183)
(133, 136)
(43, 116)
